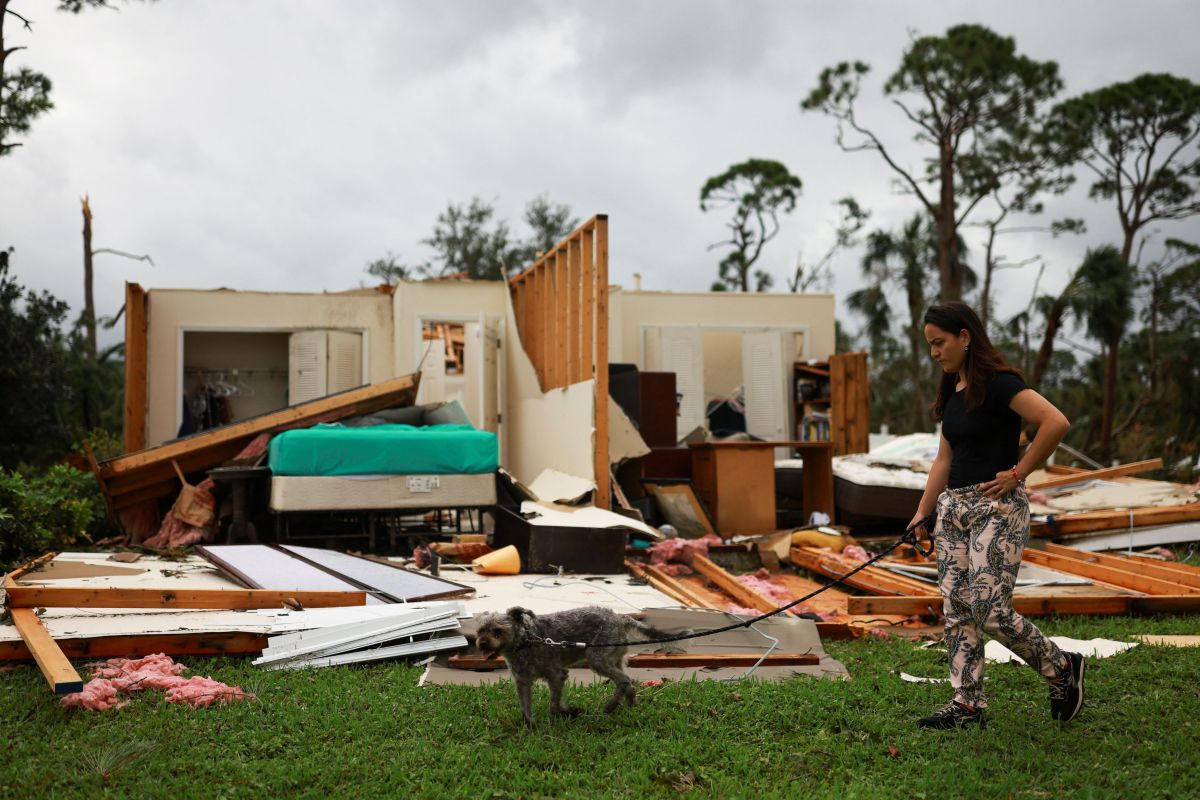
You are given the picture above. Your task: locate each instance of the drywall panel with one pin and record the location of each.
(544, 431)
(172, 312)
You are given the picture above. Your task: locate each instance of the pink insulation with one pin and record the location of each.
(855, 552)
(761, 582)
(673, 556)
(115, 679)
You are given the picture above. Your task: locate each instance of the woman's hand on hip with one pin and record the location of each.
(1005, 482)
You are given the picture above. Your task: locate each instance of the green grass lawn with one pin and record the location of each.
(371, 732)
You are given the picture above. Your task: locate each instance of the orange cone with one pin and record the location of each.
(505, 561)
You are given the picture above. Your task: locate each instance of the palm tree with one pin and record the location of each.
(907, 259)
(1106, 301)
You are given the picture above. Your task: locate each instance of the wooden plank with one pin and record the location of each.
(601, 360)
(742, 594)
(59, 673)
(667, 584)
(547, 311)
(1094, 565)
(138, 645)
(136, 352)
(1175, 567)
(839, 421)
(872, 579)
(562, 305)
(1063, 469)
(534, 348)
(1133, 468)
(29, 566)
(665, 660)
(587, 302)
(574, 329)
(1026, 605)
(1155, 569)
(76, 597)
(1096, 521)
(152, 467)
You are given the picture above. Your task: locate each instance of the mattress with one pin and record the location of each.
(326, 450)
(317, 493)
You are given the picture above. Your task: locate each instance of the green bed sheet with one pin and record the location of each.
(384, 450)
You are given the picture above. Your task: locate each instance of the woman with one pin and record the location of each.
(976, 484)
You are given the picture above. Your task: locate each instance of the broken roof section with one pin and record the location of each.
(148, 474)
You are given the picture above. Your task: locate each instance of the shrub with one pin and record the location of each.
(42, 511)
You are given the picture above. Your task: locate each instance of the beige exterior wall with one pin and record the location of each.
(172, 311)
(448, 301)
(631, 310)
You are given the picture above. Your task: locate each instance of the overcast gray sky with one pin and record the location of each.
(262, 144)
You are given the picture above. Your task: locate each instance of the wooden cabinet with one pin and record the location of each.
(736, 481)
(832, 403)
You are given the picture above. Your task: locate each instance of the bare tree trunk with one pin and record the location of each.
(915, 302)
(89, 305)
(1110, 398)
(1053, 320)
(948, 273)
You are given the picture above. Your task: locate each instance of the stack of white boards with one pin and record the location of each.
(373, 633)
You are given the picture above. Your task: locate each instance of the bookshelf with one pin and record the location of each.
(831, 402)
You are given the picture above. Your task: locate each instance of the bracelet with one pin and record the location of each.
(1017, 477)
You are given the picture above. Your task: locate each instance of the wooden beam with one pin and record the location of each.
(1040, 605)
(1083, 565)
(562, 320)
(574, 328)
(1133, 468)
(75, 597)
(1062, 469)
(136, 353)
(29, 566)
(666, 660)
(228, 643)
(547, 312)
(587, 330)
(152, 467)
(59, 673)
(872, 579)
(1115, 520)
(741, 593)
(600, 409)
(1154, 569)
(666, 584)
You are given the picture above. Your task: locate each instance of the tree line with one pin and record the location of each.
(999, 144)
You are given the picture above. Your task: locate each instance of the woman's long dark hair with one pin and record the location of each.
(983, 359)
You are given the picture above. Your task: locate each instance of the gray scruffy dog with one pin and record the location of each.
(520, 635)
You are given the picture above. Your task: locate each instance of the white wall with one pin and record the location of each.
(171, 311)
(448, 301)
(544, 431)
(631, 310)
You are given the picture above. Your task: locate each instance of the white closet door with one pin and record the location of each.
(345, 361)
(307, 366)
(473, 372)
(681, 350)
(433, 373)
(490, 379)
(766, 359)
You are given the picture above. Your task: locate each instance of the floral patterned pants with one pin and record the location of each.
(979, 544)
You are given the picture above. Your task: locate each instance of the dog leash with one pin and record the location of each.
(909, 537)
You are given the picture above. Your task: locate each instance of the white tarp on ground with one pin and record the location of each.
(793, 636)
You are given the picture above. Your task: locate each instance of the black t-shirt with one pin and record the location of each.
(985, 440)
